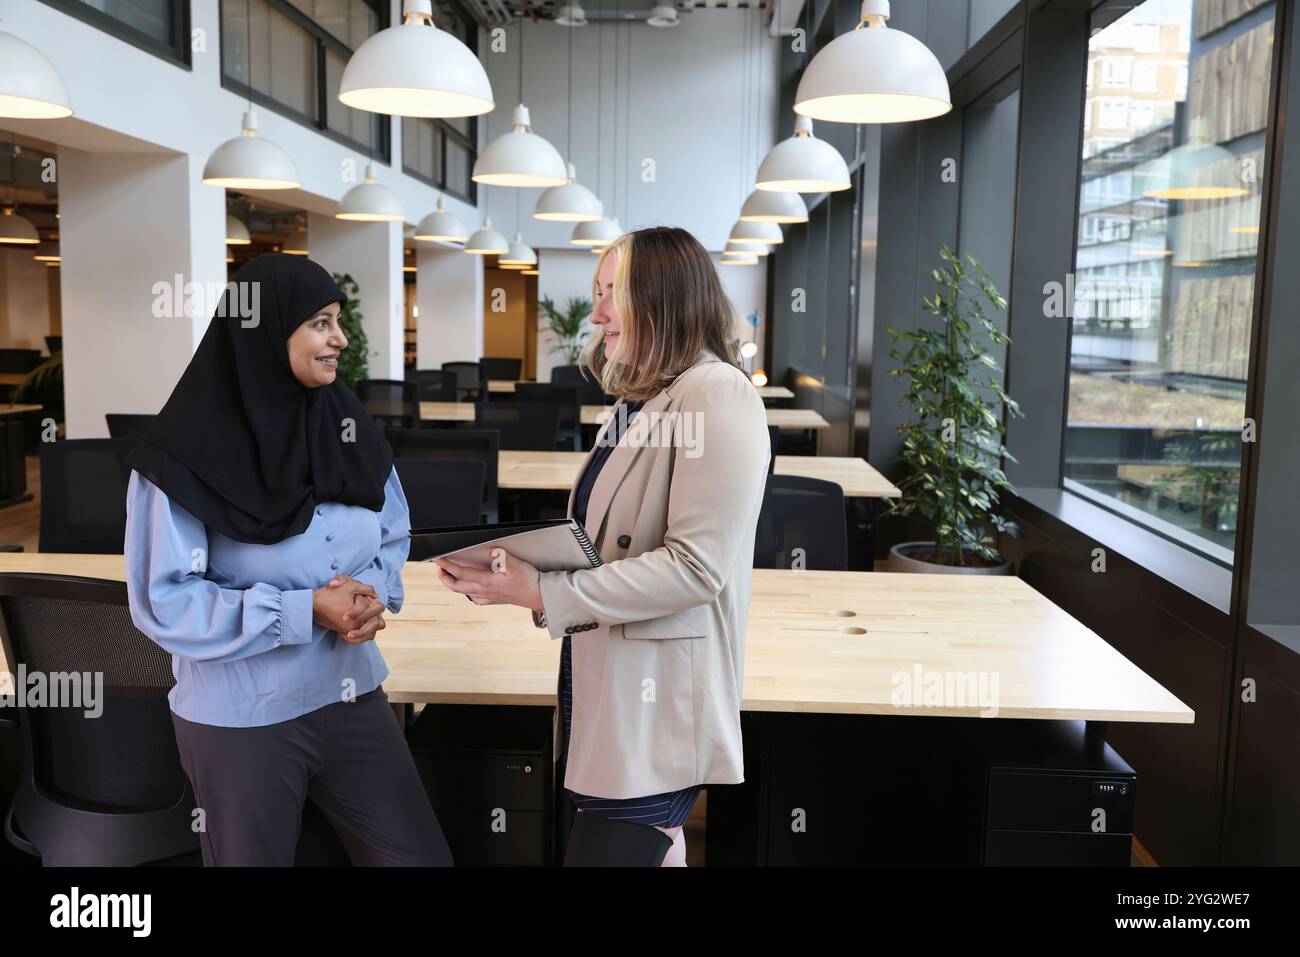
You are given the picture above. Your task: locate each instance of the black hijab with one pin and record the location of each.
(242, 444)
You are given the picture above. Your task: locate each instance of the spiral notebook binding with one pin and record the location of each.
(584, 542)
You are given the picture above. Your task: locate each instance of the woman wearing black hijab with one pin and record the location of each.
(266, 531)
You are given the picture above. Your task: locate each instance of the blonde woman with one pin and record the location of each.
(653, 655)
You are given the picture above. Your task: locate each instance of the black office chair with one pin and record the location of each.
(479, 445)
(442, 492)
(469, 380)
(496, 367)
(127, 425)
(54, 344)
(19, 360)
(108, 790)
(524, 426)
(589, 388)
(773, 436)
(433, 385)
(83, 495)
(392, 403)
(802, 525)
(568, 397)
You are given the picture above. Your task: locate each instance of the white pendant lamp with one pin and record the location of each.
(570, 203)
(368, 202)
(486, 241)
(873, 75)
(748, 234)
(599, 232)
(15, 230)
(740, 260)
(250, 161)
(441, 226)
(530, 272)
(47, 252)
(519, 254)
(764, 206)
(520, 158)
(571, 15)
(236, 232)
(415, 69)
(803, 164)
(1199, 169)
(30, 87)
(746, 249)
(662, 16)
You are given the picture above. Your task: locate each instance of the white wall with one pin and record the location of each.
(449, 292)
(683, 109)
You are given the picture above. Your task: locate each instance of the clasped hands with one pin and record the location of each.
(349, 607)
(511, 581)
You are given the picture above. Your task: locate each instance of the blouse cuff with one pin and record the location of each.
(295, 617)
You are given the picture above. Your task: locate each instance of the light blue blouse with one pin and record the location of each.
(237, 618)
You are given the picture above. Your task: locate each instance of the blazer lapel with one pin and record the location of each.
(615, 468)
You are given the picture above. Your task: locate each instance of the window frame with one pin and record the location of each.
(178, 53)
(381, 151)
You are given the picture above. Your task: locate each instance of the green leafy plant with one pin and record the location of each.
(568, 327)
(354, 361)
(1201, 475)
(43, 384)
(953, 445)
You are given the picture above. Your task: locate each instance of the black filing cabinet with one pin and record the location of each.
(489, 776)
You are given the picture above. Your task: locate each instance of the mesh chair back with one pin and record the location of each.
(392, 403)
(524, 426)
(589, 389)
(19, 360)
(469, 379)
(102, 781)
(441, 493)
(568, 396)
(127, 425)
(474, 444)
(83, 495)
(433, 385)
(773, 437)
(496, 367)
(801, 524)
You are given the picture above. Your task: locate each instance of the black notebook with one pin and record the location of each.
(559, 544)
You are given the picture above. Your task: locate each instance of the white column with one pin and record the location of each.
(449, 292)
(564, 274)
(144, 261)
(371, 253)
(24, 298)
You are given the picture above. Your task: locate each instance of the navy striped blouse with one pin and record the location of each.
(672, 808)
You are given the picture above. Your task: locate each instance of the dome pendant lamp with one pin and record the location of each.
(250, 162)
(441, 226)
(803, 164)
(30, 87)
(17, 230)
(486, 241)
(873, 75)
(520, 158)
(415, 69)
(570, 203)
(764, 206)
(369, 202)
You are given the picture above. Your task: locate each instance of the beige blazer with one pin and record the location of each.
(659, 629)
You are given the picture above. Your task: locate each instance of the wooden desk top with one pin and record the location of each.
(559, 470)
(594, 415)
(766, 391)
(12, 378)
(818, 642)
(10, 409)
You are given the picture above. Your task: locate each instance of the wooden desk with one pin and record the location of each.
(12, 378)
(594, 415)
(818, 642)
(559, 470)
(508, 386)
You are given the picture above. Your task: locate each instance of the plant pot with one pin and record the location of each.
(901, 560)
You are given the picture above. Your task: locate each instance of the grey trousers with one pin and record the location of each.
(349, 757)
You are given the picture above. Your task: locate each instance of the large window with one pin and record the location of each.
(1164, 278)
(442, 152)
(160, 26)
(291, 53)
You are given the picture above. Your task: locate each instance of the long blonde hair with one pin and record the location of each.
(671, 308)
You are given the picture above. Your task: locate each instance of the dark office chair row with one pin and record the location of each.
(463, 381)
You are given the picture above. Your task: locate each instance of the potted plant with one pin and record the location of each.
(953, 445)
(354, 361)
(568, 326)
